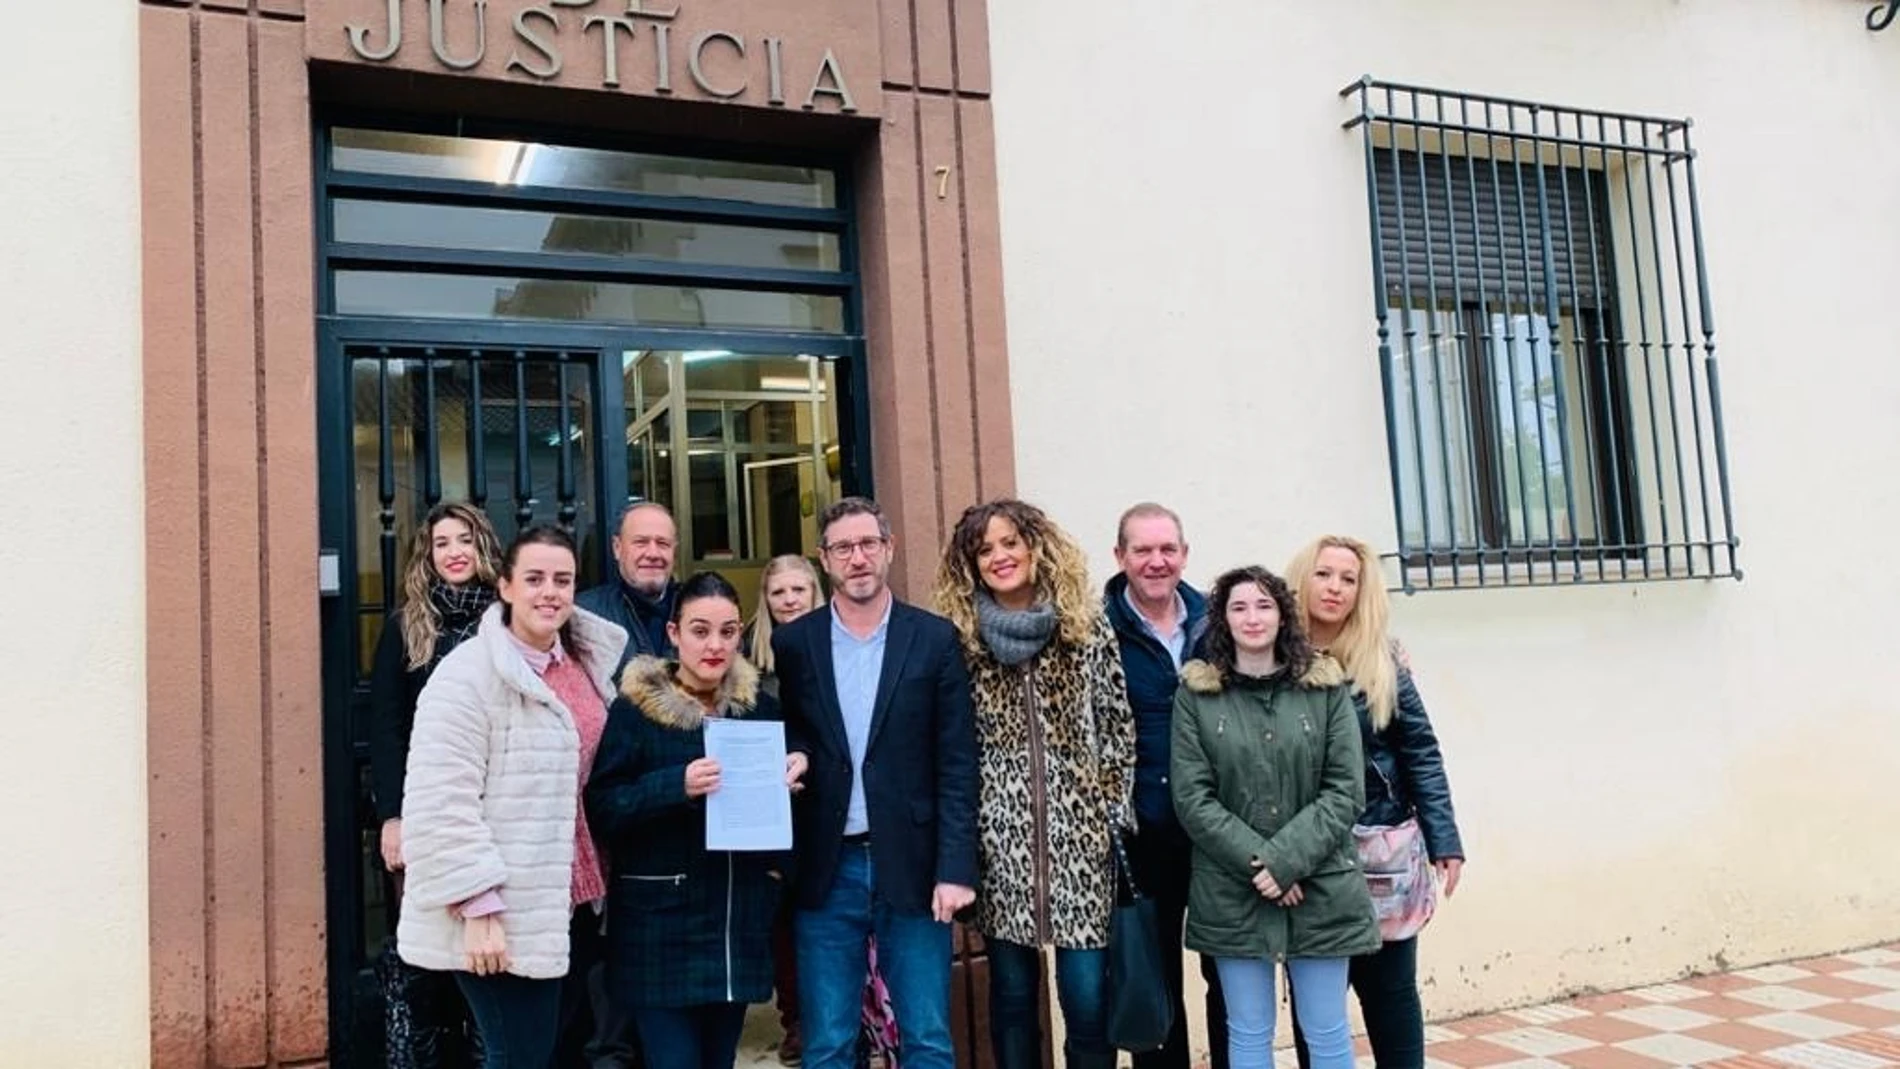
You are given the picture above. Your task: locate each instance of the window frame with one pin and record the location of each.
(1649, 459)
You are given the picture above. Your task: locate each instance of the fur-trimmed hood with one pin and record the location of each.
(649, 683)
(1203, 678)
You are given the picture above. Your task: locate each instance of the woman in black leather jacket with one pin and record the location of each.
(1342, 600)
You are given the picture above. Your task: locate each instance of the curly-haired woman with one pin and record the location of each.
(1057, 743)
(1268, 779)
(448, 582)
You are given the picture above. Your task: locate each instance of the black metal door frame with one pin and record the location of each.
(600, 346)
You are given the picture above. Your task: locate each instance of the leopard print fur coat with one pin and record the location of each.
(1056, 741)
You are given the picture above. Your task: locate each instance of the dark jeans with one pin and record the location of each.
(1015, 1005)
(691, 1037)
(1386, 982)
(785, 967)
(1163, 859)
(913, 955)
(595, 1034)
(519, 1018)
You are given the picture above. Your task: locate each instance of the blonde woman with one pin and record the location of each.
(1056, 762)
(788, 590)
(1343, 607)
(448, 582)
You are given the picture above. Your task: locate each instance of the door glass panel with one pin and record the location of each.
(530, 164)
(422, 404)
(758, 432)
(714, 370)
(451, 226)
(712, 507)
(416, 293)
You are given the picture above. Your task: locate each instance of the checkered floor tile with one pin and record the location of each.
(1827, 1013)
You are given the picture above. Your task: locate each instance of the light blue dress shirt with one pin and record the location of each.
(858, 664)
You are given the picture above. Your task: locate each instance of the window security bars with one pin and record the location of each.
(1546, 343)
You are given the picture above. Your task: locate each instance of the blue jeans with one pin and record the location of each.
(691, 1037)
(519, 1018)
(913, 954)
(1386, 982)
(1319, 1000)
(1015, 1009)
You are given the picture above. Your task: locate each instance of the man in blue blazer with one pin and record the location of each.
(875, 695)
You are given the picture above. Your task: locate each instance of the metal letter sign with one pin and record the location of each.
(1883, 14)
(458, 39)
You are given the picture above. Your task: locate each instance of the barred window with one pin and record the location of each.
(1546, 342)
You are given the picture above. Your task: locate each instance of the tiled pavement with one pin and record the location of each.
(1838, 1012)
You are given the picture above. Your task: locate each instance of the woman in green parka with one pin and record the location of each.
(1268, 778)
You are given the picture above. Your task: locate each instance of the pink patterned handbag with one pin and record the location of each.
(1399, 875)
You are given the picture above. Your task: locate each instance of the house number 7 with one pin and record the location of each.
(943, 182)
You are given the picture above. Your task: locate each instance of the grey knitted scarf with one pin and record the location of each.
(1013, 635)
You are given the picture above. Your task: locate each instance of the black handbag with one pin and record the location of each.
(1140, 1013)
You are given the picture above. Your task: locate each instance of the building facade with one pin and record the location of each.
(323, 262)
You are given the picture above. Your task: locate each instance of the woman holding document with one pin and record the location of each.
(689, 928)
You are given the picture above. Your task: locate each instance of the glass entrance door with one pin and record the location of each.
(550, 328)
(516, 431)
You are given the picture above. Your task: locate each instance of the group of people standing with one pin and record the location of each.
(541, 770)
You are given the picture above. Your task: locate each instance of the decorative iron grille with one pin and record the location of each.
(1546, 342)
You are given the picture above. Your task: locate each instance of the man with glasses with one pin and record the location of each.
(875, 695)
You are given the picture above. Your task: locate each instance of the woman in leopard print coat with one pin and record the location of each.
(1057, 757)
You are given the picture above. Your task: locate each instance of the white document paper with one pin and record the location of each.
(752, 809)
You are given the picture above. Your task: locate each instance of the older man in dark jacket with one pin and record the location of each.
(640, 595)
(639, 598)
(1159, 619)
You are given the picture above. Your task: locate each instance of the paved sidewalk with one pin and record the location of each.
(1840, 1012)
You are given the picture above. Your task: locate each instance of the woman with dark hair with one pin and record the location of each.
(1268, 779)
(448, 581)
(501, 868)
(1057, 765)
(1343, 606)
(689, 930)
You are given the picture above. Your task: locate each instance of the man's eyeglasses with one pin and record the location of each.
(844, 551)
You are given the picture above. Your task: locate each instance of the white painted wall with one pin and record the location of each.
(73, 932)
(1651, 779)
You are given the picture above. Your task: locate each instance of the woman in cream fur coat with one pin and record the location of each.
(498, 853)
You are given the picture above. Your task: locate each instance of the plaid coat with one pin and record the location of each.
(685, 927)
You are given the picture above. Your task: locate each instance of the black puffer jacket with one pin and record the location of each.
(644, 620)
(1405, 773)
